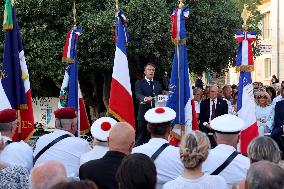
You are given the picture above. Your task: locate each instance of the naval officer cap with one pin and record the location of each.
(227, 124)
(160, 115)
(8, 115)
(101, 127)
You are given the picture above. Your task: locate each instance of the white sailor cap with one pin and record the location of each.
(227, 124)
(101, 127)
(160, 115)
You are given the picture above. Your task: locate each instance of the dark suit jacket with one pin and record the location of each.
(102, 171)
(277, 131)
(204, 116)
(142, 90)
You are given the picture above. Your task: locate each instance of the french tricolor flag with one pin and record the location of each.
(70, 93)
(120, 101)
(15, 89)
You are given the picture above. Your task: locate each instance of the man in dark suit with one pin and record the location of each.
(145, 91)
(103, 171)
(209, 109)
(278, 128)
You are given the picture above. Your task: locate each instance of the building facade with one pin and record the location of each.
(271, 60)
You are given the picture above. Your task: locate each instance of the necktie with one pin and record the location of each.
(151, 86)
(213, 110)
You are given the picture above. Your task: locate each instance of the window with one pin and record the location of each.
(267, 68)
(266, 26)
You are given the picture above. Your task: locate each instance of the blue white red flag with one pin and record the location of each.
(120, 101)
(15, 89)
(245, 52)
(70, 93)
(246, 110)
(180, 97)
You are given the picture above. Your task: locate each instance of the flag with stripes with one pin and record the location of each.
(180, 97)
(70, 93)
(120, 101)
(15, 91)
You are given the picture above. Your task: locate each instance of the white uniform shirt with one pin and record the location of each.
(168, 163)
(98, 151)
(18, 153)
(67, 151)
(204, 182)
(235, 172)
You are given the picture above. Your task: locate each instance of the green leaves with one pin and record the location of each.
(44, 25)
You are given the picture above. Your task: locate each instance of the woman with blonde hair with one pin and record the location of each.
(193, 152)
(264, 112)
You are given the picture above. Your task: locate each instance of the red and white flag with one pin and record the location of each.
(120, 101)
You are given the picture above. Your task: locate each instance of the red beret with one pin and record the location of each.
(8, 115)
(65, 113)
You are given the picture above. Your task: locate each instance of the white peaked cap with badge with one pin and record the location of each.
(227, 124)
(160, 115)
(101, 127)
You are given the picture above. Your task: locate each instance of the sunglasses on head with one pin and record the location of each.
(261, 96)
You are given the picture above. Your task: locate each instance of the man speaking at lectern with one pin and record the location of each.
(145, 90)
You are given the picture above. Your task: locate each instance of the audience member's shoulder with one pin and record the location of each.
(21, 146)
(280, 103)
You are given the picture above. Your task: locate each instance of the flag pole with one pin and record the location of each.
(20, 125)
(74, 11)
(180, 5)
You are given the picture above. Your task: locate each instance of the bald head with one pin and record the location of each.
(271, 178)
(47, 174)
(121, 138)
(229, 139)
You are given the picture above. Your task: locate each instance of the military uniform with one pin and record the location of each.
(14, 153)
(237, 165)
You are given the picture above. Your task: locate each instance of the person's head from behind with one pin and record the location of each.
(66, 119)
(159, 121)
(263, 148)
(137, 171)
(8, 122)
(213, 92)
(194, 149)
(271, 91)
(149, 71)
(227, 129)
(83, 184)
(121, 138)
(265, 175)
(47, 174)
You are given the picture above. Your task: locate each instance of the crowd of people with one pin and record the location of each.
(57, 163)
(205, 159)
(269, 108)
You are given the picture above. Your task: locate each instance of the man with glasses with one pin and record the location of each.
(209, 109)
(13, 153)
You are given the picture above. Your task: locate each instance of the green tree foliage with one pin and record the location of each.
(44, 25)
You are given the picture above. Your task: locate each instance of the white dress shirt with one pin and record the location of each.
(204, 182)
(17, 153)
(67, 151)
(235, 172)
(98, 151)
(197, 106)
(168, 163)
(266, 115)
